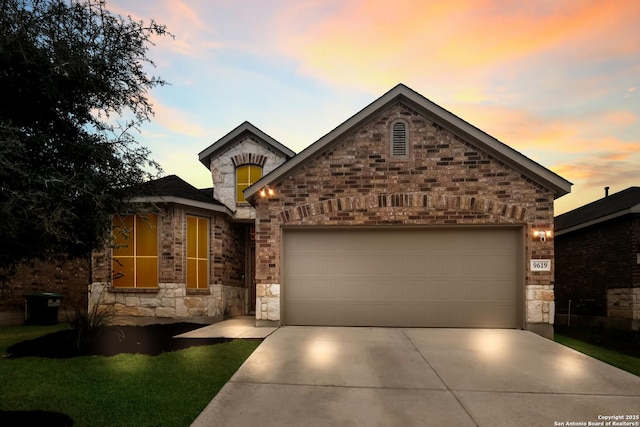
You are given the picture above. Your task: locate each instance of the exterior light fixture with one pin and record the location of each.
(266, 191)
(542, 235)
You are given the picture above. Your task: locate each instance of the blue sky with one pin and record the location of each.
(556, 80)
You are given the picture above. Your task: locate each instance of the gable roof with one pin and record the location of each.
(613, 206)
(173, 189)
(401, 93)
(245, 129)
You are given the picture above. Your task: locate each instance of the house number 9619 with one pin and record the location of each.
(540, 265)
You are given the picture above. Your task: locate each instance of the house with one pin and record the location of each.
(598, 260)
(66, 277)
(193, 258)
(403, 215)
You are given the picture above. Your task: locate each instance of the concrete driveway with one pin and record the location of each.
(322, 376)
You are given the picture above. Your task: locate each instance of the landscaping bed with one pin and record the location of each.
(111, 340)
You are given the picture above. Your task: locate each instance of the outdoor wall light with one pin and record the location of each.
(542, 235)
(266, 191)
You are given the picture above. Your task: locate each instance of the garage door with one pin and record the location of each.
(464, 277)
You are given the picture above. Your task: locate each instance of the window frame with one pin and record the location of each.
(248, 183)
(198, 258)
(392, 139)
(136, 255)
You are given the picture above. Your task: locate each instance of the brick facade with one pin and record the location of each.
(444, 181)
(599, 268)
(226, 295)
(67, 278)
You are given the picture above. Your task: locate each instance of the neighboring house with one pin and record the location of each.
(403, 215)
(66, 277)
(598, 259)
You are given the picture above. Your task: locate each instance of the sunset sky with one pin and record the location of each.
(557, 80)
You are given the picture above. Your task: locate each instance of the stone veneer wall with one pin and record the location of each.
(223, 171)
(226, 295)
(624, 303)
(445, 181)
(170, 300)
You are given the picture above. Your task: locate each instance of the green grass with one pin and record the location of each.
(124, 390)
(10, 335)
(614, 358)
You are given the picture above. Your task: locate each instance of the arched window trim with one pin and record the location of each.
(399, 139)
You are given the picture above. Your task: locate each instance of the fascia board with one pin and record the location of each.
(205, 154)
(320, 144)
(400, 93)
(492, 146)
(184, 202)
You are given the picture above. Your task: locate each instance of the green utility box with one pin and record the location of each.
(42, 308)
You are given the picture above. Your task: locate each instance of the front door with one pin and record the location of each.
(251, 273)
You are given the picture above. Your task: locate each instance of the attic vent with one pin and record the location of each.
(399, 139)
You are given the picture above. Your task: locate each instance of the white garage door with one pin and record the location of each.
(457, 277)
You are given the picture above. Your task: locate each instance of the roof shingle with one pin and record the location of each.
(614, 203)
(174, 186)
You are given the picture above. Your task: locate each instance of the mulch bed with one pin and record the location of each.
(34, 418)
(111, 340)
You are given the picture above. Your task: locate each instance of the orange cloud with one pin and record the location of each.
(620, 118)
(192, 35)
(176, 121)
(521, 129)
(591, 174)
(614, 162)
(525, 130)
(365, 43)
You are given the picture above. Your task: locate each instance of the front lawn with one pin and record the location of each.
(593, 344)
(123, 390)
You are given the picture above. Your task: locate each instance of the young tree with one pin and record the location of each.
(73, 88)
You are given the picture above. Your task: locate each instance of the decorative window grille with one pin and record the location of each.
(399, 139)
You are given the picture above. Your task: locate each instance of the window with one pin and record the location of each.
(135, 255)
(197, 253)
(399, 139)
(246, 175)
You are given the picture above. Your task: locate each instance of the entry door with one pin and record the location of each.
(251, 274)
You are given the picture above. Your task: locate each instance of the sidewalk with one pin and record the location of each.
(238, 327)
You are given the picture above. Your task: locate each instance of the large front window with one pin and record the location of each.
(135, 253)
(197, 252)
(246, 175)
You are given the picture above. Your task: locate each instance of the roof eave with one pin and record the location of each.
(630, 211)
(534, 171)
(529, 168)
(205, 155)
(184, 202)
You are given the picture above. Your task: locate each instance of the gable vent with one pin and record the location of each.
(399, 139)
